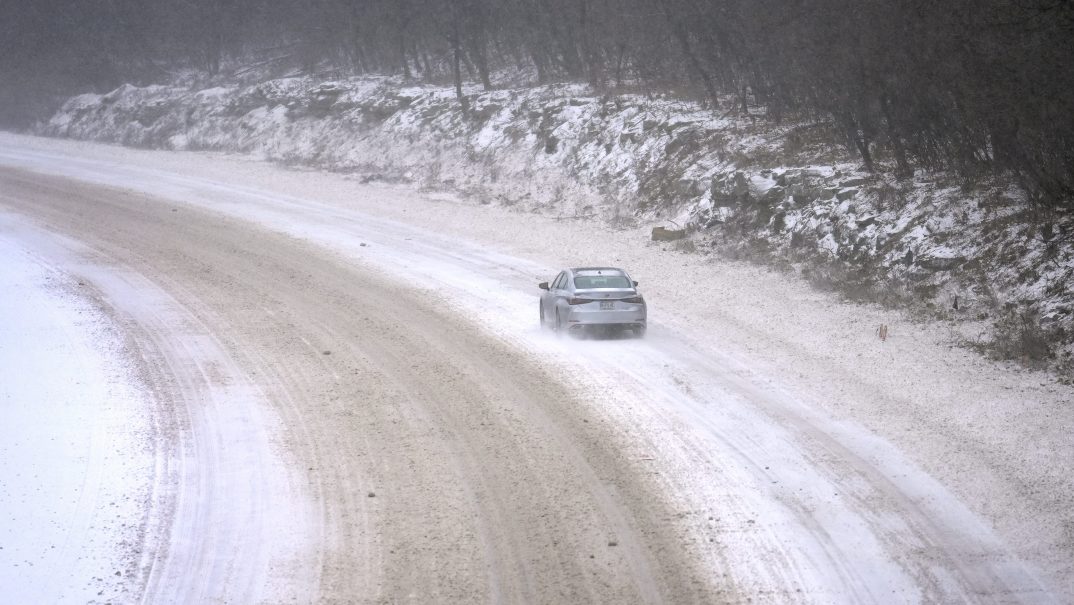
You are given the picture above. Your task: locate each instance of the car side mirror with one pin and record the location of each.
(635, 284)
(543, 285)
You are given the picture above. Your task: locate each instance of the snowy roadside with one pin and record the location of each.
(126, 431)
(77, 458)
(800, 359)
(741, 187)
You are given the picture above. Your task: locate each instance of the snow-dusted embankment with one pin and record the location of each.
(741, 185)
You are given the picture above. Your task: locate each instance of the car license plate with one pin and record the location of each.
(607, 305)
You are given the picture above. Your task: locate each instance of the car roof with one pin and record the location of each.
(597, 271)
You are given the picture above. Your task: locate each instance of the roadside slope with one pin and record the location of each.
(781, 192)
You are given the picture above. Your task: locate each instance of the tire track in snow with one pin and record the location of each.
(489, 481)
(218, 462)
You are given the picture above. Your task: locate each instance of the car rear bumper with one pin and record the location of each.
(625, 317)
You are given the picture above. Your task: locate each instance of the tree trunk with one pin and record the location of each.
(478, 55)
(683, 37)
(477, 18)
(903, 170)
(863, 147)
(592, 62)
(620, 56)
(542, 71)
(858, 139)
(457, 70)
(481, 62)
(402, 57)
(427, 65)
(456, 63)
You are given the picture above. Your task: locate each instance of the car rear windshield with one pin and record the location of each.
(585, 282)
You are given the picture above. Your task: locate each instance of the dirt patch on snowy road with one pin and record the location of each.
(443, 466)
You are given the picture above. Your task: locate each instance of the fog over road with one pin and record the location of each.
(353, 407)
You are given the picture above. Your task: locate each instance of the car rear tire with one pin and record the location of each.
(639, 331)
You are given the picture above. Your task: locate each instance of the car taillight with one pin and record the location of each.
(637, 300)
(578, 301)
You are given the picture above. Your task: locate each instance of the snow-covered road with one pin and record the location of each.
(138, 460)
(368, 409)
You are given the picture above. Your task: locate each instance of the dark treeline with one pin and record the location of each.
(980, 87)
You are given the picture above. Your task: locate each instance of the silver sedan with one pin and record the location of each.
(593, 300)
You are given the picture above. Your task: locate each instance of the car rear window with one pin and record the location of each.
(585, 282)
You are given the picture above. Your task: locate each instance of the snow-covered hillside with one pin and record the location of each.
(738, 185)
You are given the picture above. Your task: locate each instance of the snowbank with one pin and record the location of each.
(743, 187)
(76, 458)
